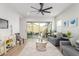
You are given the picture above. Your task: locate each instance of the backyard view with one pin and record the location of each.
(34, 30)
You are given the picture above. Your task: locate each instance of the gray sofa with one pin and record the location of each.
(67, 49)
(53, 40)
(56, 40)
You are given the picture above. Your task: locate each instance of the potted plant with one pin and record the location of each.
(69, 34)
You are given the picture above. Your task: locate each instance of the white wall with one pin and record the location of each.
(13, 19)
(23, 28)
(59, 26)
(72, 11)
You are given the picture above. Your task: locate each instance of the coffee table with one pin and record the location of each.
(41, 45)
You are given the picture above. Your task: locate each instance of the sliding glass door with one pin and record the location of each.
(34, 29)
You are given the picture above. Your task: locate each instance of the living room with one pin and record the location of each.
(63, 23)
(60, 37)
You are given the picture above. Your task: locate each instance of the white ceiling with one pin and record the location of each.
(25, 9)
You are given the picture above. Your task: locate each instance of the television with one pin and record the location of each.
(3, 24)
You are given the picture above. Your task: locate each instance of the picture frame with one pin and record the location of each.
(3, 24)
(66, 23)
(73, 22)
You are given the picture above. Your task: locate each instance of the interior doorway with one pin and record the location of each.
(34, 29)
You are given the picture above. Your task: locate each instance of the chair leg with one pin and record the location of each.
(19, 42)
(23, 41)
(16, 42)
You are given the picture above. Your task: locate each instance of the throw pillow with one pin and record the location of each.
(71, 41)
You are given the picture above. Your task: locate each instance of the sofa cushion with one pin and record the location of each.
(73, 41)
(68, 50)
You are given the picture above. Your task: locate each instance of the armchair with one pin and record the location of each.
(19, 39)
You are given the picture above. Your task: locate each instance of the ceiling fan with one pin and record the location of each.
(41, 9)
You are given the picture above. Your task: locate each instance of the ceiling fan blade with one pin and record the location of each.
(34, 11)
(41, 6)
(34, 8)
(46, 11)
(48, 8)
(42, 13)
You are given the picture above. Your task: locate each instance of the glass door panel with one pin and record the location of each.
(34, 30)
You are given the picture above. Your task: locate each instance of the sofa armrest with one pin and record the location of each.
(63, 43)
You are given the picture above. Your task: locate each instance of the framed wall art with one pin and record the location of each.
(3, 24)
(73, 21)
